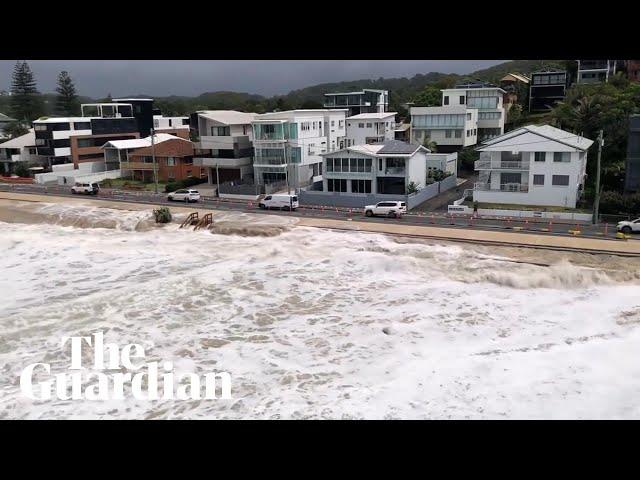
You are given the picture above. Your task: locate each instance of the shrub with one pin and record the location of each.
(617, 203)
(21, 170)
(412, 188)
(186, 183)
(162, 215)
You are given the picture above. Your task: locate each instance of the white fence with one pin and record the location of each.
(66, 174)
(491, 212)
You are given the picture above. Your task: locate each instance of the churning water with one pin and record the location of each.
(312, 323)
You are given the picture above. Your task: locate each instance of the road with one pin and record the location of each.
(440, 219)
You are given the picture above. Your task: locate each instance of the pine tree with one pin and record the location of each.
(67, 100)
(26, 102)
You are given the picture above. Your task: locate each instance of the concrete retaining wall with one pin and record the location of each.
(491, 212)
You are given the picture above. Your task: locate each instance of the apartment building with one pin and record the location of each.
(486, 98)
(632, 177)
(366, 100)
(546, 89)
(384, 168)
(595, 71)
(367, 128)
(288, 145)
(17, 150)
(225, 146)
(451, 127)
(532, 165)
(134, 158)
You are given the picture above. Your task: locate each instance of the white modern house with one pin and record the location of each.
(484, 97)
(225, 147)
(532, 165)
(287, 145)
(451, 127)
(366, 128)
(385, 168)
(367, 100)
(595, 71)
(19, 149)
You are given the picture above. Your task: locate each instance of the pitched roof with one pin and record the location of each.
(545, 131)
(228, 117)
(517, 76)
(388, 147)
(142, 142)
(372, 116)
(26, 140)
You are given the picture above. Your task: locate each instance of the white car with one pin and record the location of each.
(283, 202)
(389, 209)
(86, 188)
(629, 226)
(184, 196)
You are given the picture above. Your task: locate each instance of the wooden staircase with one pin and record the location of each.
(204, 221)
(192, 219)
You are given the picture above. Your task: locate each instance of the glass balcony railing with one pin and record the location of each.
(505, 187)
(501, 165)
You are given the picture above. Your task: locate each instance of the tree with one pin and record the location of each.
(430, 96)
(311, 105)
(26, 102)
(430, 144)
(15, 129)
(67, 100)
(21, 170)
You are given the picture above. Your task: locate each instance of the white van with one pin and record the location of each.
(283, 202)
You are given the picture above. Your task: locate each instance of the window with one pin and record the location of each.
(244, 130)
(538, 179)
(468, 133)
(560, 180)
(369, 125)
(333, 123)
(220, 131)
(361, 186)
(380, 164)
(540, 156)
(82, 126)
(361, 125)
(171, 161)
(489, 115)
(458, 134)
(561, 157)
(85, 142)
(469, 116)
(446, 99)
(462, 99)
(336, 185)
(447, 133)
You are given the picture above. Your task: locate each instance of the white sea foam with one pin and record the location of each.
(321, 324)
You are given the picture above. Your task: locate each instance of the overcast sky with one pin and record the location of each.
(95, 78)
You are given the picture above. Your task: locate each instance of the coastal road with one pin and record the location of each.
(418, 218)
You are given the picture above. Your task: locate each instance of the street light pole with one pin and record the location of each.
(596, 203)
(153, 154)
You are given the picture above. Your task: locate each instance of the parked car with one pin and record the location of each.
(629, 226)
(86, 188)
(283, 202)
(187, 196)
(389, 209)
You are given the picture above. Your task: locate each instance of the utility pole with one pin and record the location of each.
(596, 203)
(153, 155)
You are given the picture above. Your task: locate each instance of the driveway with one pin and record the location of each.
(442, 201)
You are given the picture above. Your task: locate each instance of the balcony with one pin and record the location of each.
(270, 161)
(395, 171)
(136, 166)
(202, 161)
(505, 187)
(501, 165)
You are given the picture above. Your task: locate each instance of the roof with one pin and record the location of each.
(228, 117)
(358, 93)
(141, 142)
(132, 99)
(26, 140)
(388, 147)
(402, 127)
(542, 72)
(545, 131)
(517, 76)
(65, 119)
(5, 118)
(372, 116)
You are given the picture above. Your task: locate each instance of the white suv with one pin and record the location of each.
(389, 209)
(629, 226)
(184, 195)
(86, 188)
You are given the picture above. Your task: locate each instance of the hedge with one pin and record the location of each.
(177, 185)
(616, 203)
